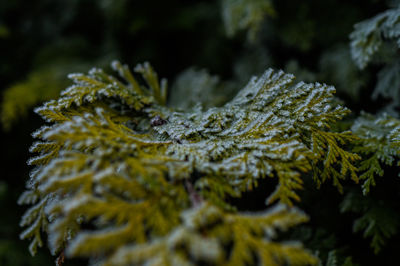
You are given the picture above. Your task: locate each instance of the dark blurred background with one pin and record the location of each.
(42, 41)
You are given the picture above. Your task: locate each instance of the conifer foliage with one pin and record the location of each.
(377, 40)
(128, 170)
(379, 142)
(147, 179)
(369, 36)
(245, 15)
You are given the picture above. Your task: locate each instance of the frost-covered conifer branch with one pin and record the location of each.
(377, 40)
(369, 36)
(379, 143)
(114, 157)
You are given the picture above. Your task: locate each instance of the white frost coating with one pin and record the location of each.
(77, 202)
(115, 64)
(93, 71)
(38, 146)
(39, 133)
(109, 171)
(259, 120)
(28, 197)
(75, 76)
(205, 249)
(30, 231)
(243, 140)
(200, 216)
(33, 213)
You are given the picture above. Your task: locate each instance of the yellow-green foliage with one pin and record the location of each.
(40, 86)
(245, 15)
(148, 179)
(206, 230)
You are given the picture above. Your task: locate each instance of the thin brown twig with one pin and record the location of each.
(195, 198)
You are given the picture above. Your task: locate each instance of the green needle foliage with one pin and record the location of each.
(378, 221)
(115, 159)
(333, 260)
(41, 85)
(379, 142)
(379, 145)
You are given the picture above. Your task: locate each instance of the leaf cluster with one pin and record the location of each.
(116, 159)
(378, 143)
(377, 40)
